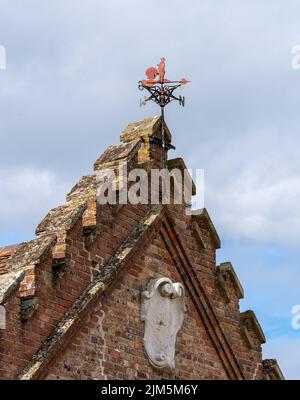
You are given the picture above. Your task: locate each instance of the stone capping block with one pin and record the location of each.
(271, 370)
(249, 317)
(8, 283)
(198, 215)
(227, 269)
(84, 189)
(144, 128)
(61, 218)
(180, 164)
(116, 153)
(32, 252)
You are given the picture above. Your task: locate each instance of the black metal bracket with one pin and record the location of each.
(158, 142)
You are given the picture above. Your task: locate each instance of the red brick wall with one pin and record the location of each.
(110, 341)
(20, 340)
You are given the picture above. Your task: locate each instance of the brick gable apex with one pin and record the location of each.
(53, 280)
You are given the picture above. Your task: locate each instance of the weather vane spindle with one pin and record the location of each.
(161, 92)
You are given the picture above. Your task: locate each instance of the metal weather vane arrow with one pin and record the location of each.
(161, 91)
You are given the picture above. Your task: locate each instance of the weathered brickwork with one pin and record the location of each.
(110, 343)
(72, 296)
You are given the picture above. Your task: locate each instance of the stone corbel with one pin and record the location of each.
(59, 267)
(202, 217)
(250, 323)
(272, 371)
(224, 273)
(28, 307)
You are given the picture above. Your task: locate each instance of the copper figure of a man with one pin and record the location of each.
(161, 69)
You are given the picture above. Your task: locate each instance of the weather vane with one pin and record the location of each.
(162, 93)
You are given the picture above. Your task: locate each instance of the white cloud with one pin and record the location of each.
(27, 194)
(287, 350)
(263, 208)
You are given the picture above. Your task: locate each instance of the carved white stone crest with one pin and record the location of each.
(162, 309)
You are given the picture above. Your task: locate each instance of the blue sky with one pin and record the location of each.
(70, 88)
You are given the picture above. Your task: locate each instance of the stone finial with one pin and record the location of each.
(144, 129)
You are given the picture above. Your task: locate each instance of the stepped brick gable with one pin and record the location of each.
(72, 296)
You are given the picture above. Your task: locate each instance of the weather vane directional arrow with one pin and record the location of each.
(161, 91)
